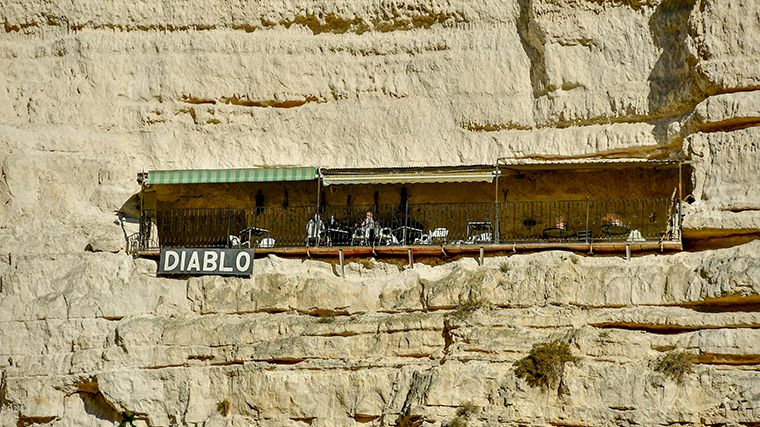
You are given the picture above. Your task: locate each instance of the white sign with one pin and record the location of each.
(203, 261)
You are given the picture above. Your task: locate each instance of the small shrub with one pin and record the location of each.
(224, 407)
(545, 364)
(466, 409)
(326, 318)
(675, 365)
(127, 418)
(457, 422)
(471, 305)
(368, 264)
(409, 421)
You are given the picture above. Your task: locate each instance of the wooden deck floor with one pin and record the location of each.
(602, 247)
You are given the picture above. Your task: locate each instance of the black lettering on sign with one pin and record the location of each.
(206, 261)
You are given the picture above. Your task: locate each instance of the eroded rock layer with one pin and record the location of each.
(298, 342)
(92, 92)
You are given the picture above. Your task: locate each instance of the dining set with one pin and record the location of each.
(334, 233)
(609, 231)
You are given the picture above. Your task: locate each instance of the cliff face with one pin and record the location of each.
(92, 92)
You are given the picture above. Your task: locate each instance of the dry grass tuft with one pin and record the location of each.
(545, 364)
(224, 407)
(675, 365)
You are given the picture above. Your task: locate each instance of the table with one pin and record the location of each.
(558, 233)
(405, 234)
(479, 231)
(251, 232)
(614, 229)
(338, 236)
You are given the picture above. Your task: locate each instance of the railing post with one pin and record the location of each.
(406, 221)
(141, 232)
(497, 231)
(678, 219)
(228, 226)
(319, 221)
(587, 230)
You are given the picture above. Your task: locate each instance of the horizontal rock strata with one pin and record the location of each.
(92, 92)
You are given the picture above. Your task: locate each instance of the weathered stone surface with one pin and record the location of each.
(724, 36)
(726, 202)
(92, 92)
(360, 359)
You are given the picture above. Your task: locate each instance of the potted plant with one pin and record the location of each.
(612, 219)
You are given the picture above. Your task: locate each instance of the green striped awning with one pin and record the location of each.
(219, 176)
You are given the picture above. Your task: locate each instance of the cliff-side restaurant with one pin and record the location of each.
(610, 205)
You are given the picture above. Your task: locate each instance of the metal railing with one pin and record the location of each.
(584, 220)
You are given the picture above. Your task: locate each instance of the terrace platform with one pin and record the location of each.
(400, 251)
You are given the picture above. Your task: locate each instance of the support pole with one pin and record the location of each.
(411, 258)
(680, 180)
(144, 238)
(228, 226)
(496, 230)
(482, 256)
(406, 219)
(627, 252)
(319, 216)
(587, 230)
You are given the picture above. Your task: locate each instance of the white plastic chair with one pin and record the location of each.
(267, 242)
(439, 235)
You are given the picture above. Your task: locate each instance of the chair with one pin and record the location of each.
(358, 236)
(386, 237)
(439, 235)
(267, 242)
(424, 239)
(480, 238)
(585, 235)
(479, 232)
(315, 231)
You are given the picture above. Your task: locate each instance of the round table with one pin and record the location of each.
(558, 233)
(614, 229)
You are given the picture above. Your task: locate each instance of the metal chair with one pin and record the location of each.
(386, 237)
(584, 235)
(358, 236)
(315, 232)
(479, 232)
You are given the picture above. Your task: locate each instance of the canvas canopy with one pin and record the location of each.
(218, 176)
(407, 176)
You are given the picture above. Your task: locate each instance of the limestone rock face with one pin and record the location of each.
(92, 92)
(296, 342)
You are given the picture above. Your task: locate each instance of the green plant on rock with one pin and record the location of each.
(457, 422)
(473, 303)
(326, 318)
(545, 364)
(675, 365)
(127, 418)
